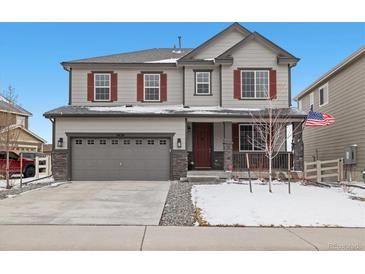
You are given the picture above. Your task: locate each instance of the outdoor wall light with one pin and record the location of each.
(60, 142)
(179, 142)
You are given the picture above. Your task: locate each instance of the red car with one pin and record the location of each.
(14, 164)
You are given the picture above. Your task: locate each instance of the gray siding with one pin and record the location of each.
(255, 55)
(121, 125)
(127, 87)
(346, 104)
(220, 45)
(201, 100)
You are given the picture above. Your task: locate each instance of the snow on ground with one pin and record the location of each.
(233, 204)
(15, 182)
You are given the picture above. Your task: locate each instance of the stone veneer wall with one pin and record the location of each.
(218, 160)
(59, 164)
(179, 164)
(298, 148)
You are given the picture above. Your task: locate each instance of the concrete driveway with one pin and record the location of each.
(88, 203)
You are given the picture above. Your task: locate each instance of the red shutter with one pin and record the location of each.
(273, 84)
(237, 84)
(114, 87)
(90, 86)
(140, 87)
(163, 83)
(235, 137)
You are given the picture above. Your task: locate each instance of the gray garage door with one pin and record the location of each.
(120, 159)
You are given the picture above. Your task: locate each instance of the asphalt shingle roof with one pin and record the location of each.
(141, 56)
(8, 107)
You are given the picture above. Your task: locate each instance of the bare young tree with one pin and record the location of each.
(270, 132)
(8, 135)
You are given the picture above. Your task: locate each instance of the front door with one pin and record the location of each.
(202, 133)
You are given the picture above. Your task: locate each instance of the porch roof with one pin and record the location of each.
(166, 111)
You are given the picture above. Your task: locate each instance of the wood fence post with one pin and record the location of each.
(319, 172)
(289, 189)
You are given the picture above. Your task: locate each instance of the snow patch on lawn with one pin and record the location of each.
(15, 182)
(233, 204)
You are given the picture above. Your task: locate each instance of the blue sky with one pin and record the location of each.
(30, 53)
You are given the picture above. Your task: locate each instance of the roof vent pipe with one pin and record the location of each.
(179, 37)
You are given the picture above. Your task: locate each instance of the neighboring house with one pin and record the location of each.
(15, 119)
(341, 93)
(153, 114)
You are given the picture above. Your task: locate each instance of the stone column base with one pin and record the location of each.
(179, 164)
(59, 164)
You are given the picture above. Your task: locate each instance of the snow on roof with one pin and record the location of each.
(169, 109)
(171, 60)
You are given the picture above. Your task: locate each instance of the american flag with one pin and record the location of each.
(317, 119)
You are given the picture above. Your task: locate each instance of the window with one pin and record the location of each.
(202, 83)
(78, 142)
(311, 100)
(102, 142)
(255, 83)
(126, 142)
(20, 120)
(102, 87)
(249, 138)
(115, 142)
(163, 142)
(90, 142)
(151, 87)
(150, 142)
(323, 95)
(138, 142)
(13, 156)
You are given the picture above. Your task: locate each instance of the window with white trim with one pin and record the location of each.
(249, 138)
(323, 95)
(102, 86)
(202, 83)
(254, 83)
(152, 87)
(311, 100)
(20, 120)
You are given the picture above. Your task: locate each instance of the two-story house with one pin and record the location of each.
(153, 114)
(341, 93)
(14, 119)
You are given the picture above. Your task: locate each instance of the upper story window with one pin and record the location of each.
(20, 120)
(102, 86)
(323, 95)
(311, 100)
(255, 84)
(152, 87)
(202, 83)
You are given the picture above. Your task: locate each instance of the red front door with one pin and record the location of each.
(202, 133)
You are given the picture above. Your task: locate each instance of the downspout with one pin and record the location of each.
(220, 86)
(70, 86)
(289, 85)
(184, 86)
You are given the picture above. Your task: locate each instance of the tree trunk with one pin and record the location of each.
(270, 172)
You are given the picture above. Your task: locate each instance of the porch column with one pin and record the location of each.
(298, 146)
(227, 145)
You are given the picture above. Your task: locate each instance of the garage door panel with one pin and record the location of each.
(120, 159)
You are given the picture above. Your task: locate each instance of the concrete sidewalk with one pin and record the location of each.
(63, 237)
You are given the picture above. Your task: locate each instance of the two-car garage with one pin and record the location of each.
(120, 158)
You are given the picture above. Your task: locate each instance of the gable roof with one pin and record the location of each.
(234, 26)
(12, 127)
(262, 40)
(349, 60)
(162, 55)
(6, 106)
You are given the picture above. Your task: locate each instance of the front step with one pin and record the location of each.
(202, 178)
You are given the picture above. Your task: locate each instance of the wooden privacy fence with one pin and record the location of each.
(319, 170)
(42, 166)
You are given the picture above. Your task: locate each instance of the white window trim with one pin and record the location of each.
(110, 79)
(311, 99)
(144, 87)
(268, 84)
(252, 136)
(196, 83)
(324, 87)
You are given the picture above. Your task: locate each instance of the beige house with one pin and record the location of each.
(15, 119)
(341, 93)
(156, 113)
